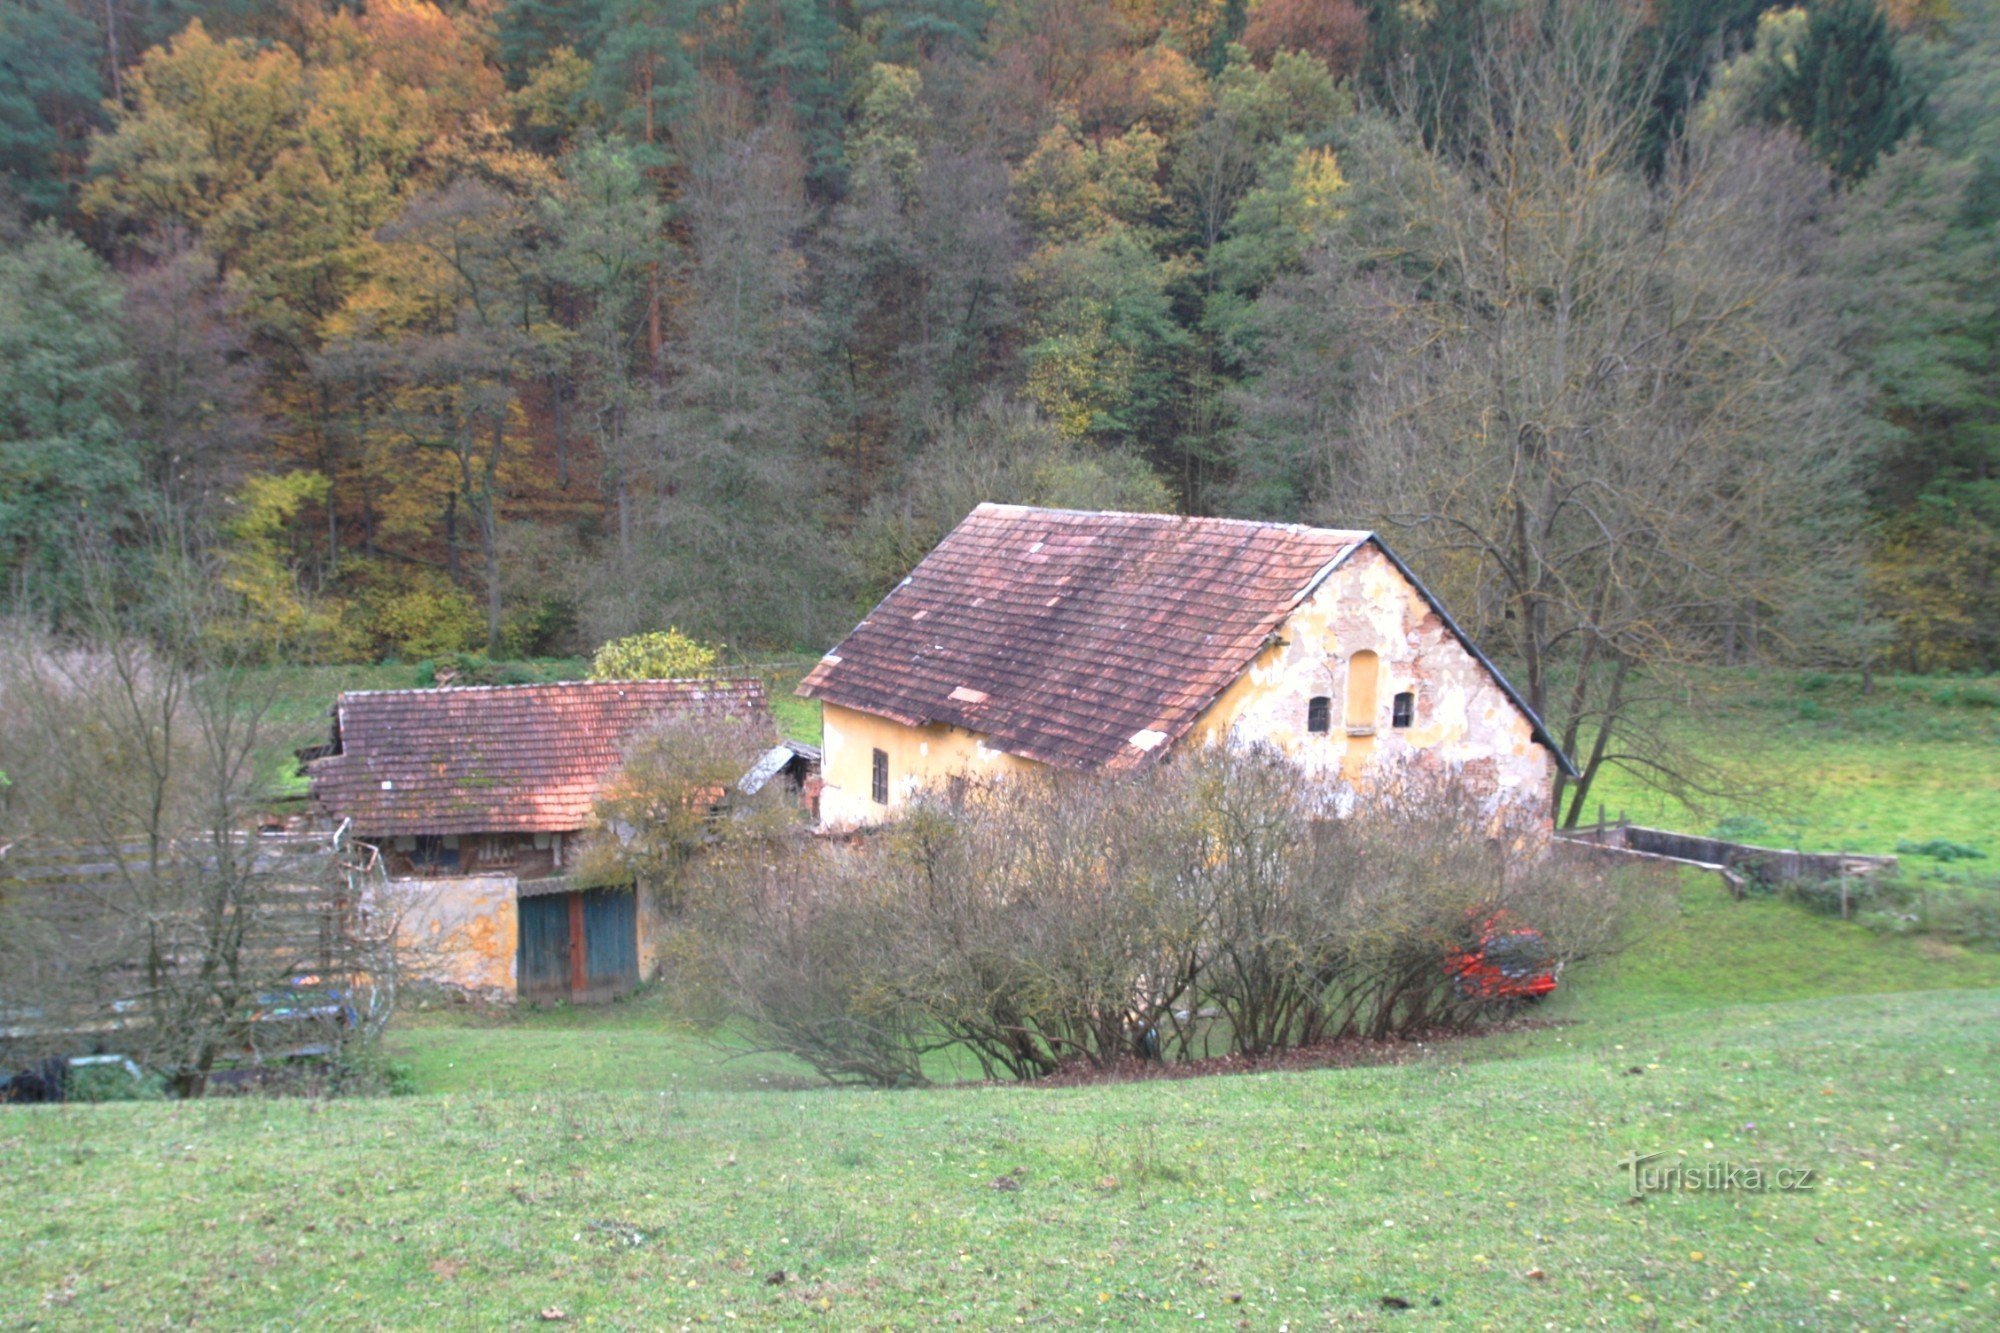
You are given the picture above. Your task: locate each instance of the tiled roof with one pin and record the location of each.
(1079, 639)
(506, 758)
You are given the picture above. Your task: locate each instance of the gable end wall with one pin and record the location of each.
(1464, 724)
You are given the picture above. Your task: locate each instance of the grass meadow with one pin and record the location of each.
(622, 1173)
(610, 1168)
(1915, 761)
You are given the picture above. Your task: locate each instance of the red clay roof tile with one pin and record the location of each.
(1061, 635)
(508, 758)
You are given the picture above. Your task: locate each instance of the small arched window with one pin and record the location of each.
(1364, 683)
(1319, 713)
(1403, 709)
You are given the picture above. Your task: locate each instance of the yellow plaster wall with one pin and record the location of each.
(461, 932)
(1464, 721)
(919, 757)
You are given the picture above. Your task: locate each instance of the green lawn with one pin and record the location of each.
(1916, 760)
(622, 1170)
(614, 1167)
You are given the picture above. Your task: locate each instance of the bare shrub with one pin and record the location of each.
(802, 943)
(167, 925)
(1061, 918)
(676, 794)
(1057, 920)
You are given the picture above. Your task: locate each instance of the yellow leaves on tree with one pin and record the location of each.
(1071, 191)
(205, 121)
(277, 619)
(659, 655)
(285, 165)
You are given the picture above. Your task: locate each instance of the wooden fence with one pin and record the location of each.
(126, 923)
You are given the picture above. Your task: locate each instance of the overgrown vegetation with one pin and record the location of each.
(606, 1164)
(593, 317)
(1203, 908)
(140, 905)
(659, 655)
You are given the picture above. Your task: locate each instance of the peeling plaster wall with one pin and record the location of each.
(653, 927)
(1464, 723)
(461, 932)
(919, 757)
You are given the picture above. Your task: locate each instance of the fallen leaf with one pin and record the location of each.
(553, 1315)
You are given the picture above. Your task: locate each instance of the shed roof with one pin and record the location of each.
(503, 758)
(1087, 639)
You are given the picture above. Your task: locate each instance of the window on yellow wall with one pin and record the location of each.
(1319, 713)
(1364, 680)
(1403, 709)
(878, 779)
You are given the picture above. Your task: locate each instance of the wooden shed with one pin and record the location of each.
(476, 798)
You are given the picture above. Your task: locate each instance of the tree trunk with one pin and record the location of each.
(558, 411)
(1612, 702)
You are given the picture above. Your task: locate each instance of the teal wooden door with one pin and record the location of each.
(610, 942)
(541, 963)
(578, 946)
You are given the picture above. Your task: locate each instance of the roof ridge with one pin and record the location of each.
(1205, 519)
(553, 684)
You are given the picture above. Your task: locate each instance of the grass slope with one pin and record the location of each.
(605, 1165)
(1918, 759)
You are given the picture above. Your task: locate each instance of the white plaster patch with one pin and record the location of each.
(1147, 739)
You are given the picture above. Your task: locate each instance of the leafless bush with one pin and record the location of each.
(676, 795)
(1057, 918)
(1063, 918)
(170, 929)
(802, 942)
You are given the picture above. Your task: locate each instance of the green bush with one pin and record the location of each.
(1742, 828)
(1966, 919)
(474, 669)
(659, 655)
(418, 614)
(543, 629)
(1878, 894)
(114, 1083)
(1965, 694)
(1940, 849)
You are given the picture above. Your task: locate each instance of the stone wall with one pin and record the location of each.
(461, 932)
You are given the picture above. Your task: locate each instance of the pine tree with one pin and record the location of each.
(50, 90)
(1848, 96)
